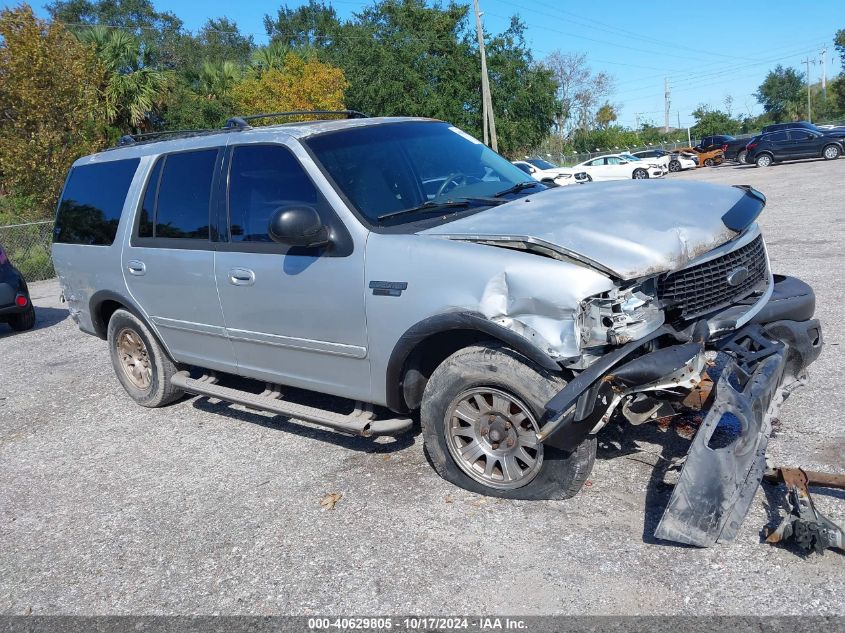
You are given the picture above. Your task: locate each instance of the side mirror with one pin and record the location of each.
(298, 226)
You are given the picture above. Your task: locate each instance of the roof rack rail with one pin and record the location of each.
(128, 139)
(242, 122)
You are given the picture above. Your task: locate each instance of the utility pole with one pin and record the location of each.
(488, 120)
(666, 104)
(824, 71)
(807, 61)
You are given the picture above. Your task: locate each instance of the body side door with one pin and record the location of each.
(168, 259)
(295, 315)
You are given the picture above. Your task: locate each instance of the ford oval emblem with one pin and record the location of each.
(738, 275)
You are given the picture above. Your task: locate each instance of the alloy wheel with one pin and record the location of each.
(492, 437)
(134, 358)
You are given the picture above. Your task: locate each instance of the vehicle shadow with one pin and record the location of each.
(295, 427)
(44, 318)
(621, 440)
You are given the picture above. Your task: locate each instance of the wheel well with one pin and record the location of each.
(426, 356)
(103, 315)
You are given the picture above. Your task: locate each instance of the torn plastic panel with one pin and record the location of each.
(717, 483)
(619, 316)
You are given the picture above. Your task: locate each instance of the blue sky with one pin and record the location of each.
(708, 49)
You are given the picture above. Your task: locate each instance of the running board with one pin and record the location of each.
(359, 422)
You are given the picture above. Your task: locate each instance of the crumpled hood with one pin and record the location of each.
(629, 229)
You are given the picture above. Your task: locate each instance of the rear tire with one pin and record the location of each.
(830, 152)
(764, 160)
(640, 174)
(480, 410)
(740, 158)
(24, 320)
(140, 362)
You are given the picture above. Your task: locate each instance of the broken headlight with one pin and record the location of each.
(620, 315)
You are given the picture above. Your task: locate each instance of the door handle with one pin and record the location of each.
(241, 277)
(136, 267)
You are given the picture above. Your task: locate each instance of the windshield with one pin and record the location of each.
(541, 164)
(385, 169)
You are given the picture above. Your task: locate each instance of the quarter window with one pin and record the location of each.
(262, 179)
(92, 201)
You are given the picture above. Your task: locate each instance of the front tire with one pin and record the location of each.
(24, 320)
(640, 174)
(709, 163)
(675, 166)
(480, 413)
(830, 152)
(140, 362)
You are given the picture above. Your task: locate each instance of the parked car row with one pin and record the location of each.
(780, 142)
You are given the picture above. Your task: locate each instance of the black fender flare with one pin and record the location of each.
(99, 298)
(449, 321)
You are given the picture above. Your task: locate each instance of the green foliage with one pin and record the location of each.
(780, 93)
(839, 44)
(49, 90)
(133, 86)
(709, 122)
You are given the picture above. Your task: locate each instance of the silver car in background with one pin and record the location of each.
(400, 268)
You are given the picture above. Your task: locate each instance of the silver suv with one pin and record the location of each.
(403, 268)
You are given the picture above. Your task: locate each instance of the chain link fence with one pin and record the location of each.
(28, 248)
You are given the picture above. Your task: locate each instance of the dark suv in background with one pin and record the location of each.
(15, 306)
(837, 132)
(792, 144)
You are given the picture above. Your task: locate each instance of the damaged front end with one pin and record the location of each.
(762, 361)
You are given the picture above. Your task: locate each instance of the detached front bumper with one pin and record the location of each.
(767, 358)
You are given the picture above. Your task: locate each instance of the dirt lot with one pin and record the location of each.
(106, 507)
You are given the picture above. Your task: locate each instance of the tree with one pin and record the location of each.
(579, 90)
(839, 44)
(523, 92)
(216, 79)
(133, 87)
(606, 115)
(48, 104)
(781, 91)
(300, 85)
(161, 30)
(709, 122)
(270, 56)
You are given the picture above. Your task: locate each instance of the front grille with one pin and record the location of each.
(703, 288)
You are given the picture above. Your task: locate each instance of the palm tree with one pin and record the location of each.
(133, 86)
(217, 78)
(270, 56)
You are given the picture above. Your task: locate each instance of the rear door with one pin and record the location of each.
(780, 145)
(168, 263)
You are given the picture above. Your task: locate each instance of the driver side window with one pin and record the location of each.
(613, 160)
(263, 178)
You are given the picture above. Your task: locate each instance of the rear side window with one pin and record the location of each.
(91, 203)
(777, 136)
(178, 196)
(262, 179)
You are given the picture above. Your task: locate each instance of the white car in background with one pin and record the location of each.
(544, 171)
(682, 161)
(656, 161)
(617, 167)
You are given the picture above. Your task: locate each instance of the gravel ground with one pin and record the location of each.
(106, 507)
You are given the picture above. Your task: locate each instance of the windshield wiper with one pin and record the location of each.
(426, 207)
(517, 187)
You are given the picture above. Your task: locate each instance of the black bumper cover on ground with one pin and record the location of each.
(767, 359)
